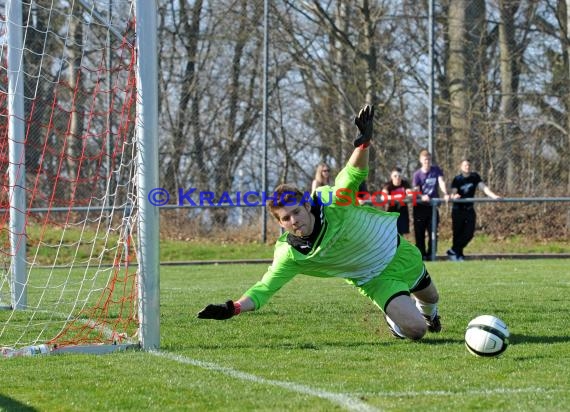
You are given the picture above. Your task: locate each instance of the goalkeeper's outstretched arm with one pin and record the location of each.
(229, 309)
(359, 158)
(365, 123)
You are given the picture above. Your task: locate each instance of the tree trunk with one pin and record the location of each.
(464, 70)
(566, 29)
(456, 71)
(187, 104)
(340, 54)
(508, 157)
(371, 74)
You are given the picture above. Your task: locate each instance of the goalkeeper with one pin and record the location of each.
(346, 240)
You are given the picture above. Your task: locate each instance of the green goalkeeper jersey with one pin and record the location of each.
(356, 242)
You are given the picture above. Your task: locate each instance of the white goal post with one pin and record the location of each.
(79, 240)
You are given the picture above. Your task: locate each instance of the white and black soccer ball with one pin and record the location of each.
(486, 335)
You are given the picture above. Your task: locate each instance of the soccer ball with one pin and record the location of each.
(486, 335)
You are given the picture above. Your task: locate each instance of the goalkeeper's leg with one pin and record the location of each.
(403, 283)
(402, 311)
(426, 297)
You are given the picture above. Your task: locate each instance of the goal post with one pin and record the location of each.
(79, 240)
(147, 83)
(16, 167)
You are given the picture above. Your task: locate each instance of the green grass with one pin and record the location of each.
(176, 250)
(485, 244)
(83, 244)
(321, 346)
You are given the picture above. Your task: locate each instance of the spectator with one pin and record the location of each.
(322, 176)
(463, 215)
(397, 190)
(426, 180)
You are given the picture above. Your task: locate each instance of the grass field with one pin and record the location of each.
(208, 249)
(82, 245)
(320, 346)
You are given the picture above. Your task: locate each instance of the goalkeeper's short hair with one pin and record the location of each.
(284, 195)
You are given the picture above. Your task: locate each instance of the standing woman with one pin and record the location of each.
(397, 190)
(322, 176)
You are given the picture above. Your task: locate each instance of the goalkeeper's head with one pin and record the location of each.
(292, 210)
(284, 195)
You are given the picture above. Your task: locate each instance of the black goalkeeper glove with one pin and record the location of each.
(365, 123)
(219, 311)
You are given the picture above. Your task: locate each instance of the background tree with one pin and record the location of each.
(501, 92)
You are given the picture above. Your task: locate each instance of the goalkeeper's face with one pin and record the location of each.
(296, 219)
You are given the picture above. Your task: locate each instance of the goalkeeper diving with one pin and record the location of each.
(344, 239)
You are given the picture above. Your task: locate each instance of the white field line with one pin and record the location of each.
(485, 392)
(345, 401)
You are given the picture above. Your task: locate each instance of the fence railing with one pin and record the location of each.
(437, 201)
(434, 203)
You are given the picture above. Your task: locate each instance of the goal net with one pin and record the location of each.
(69, 228)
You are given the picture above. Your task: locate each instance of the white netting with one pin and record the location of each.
(77, 69)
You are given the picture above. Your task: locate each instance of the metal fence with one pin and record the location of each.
(256, 93)
(547, 222)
